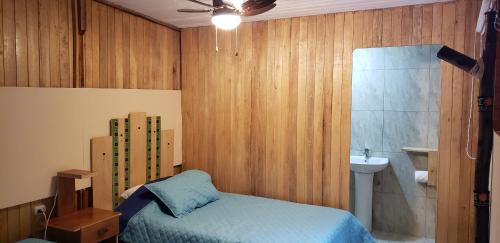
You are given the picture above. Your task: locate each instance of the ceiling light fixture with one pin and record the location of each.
(226, 19)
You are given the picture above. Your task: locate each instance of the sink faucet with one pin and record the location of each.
(366, 154)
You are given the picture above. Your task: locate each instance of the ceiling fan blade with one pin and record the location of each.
(261, 5)
(201, 3)
(250, 3)
(258, 11)
(184, 10)
(256, 4)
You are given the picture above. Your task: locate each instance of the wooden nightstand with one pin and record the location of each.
(86, 225)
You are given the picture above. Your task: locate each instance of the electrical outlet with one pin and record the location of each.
(40, 209)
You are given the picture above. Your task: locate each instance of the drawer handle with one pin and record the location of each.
(102, 232)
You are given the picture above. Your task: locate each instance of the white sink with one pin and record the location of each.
(372, 165)
(363, 174)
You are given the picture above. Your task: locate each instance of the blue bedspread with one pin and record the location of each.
(239, 218)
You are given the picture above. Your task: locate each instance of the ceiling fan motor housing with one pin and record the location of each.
(225, 10)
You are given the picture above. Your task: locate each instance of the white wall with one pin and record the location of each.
(44, 130)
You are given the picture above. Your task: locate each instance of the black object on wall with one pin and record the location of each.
(456, 58)
(485, 136)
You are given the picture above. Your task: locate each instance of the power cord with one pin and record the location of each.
(47, 219)
(467, 146)
(468, 153)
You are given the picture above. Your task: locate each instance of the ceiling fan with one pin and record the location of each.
(226, 14)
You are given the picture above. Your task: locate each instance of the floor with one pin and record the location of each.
(384, 237)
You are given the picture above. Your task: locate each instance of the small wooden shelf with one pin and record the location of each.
(76, 174)
(419, 150)
(66, 202)
(432, 162)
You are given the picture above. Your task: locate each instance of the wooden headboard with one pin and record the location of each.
(137, 152)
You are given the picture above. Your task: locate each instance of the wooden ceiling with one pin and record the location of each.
(166, 10)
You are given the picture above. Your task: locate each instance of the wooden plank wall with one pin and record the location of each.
(38, 48)
(122, 50)
(36, 43)
(274, 120)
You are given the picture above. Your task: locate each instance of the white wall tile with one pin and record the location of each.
(366, 130)
(406, 90)
(368, 90)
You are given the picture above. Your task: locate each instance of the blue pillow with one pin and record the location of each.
(185, 192)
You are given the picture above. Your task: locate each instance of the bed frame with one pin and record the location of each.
(137, 152)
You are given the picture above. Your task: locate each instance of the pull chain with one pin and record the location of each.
(237, 47)
(216, 39)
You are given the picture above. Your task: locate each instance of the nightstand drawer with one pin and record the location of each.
(100, 231)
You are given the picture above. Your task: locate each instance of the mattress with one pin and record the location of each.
(241, 218)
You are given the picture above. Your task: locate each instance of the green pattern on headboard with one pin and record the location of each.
(158, 146)
(127, 154)
(148, 150)
(114, 135)
(114, 123)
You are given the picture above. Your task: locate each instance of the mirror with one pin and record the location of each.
(394, 140)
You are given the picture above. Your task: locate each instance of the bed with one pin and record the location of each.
(155, 212)
(237, 218)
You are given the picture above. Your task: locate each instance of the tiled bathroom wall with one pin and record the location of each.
(395, 104)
